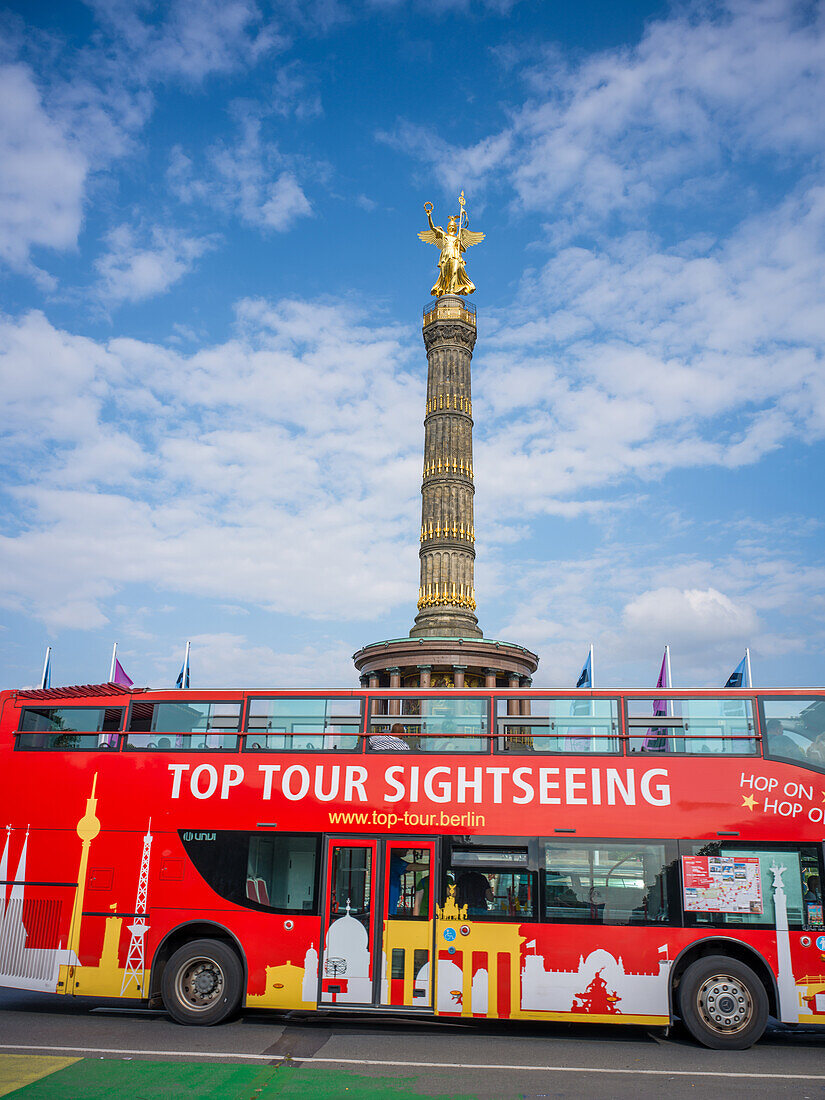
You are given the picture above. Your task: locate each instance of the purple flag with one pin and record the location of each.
(660, 705)
(657, 739)
(120, 676)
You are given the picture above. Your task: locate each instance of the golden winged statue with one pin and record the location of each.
(457, 238)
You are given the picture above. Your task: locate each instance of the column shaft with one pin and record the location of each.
(446, 598)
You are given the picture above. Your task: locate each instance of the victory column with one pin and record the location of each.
(446, 647)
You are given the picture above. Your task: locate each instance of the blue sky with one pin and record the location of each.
(210, 348)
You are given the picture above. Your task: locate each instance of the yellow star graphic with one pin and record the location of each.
(749, 801)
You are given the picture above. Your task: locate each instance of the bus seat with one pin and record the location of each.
(620, 901)
(263, 893)
(251, 889)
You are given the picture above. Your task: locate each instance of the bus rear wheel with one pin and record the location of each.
(723, 1004)
(201, 983)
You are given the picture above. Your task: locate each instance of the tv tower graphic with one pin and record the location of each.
(135, 957)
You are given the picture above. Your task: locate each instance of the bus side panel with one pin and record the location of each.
(110, 934)
(809, 975)
(37, 896)
(583, 973)
(280, 949)
(611, 975)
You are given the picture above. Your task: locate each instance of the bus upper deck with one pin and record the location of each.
(782, 725)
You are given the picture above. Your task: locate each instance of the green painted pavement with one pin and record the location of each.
(103, 1078)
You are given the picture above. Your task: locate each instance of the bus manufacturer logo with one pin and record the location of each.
(188, 835)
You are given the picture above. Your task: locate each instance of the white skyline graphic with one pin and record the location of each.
(23, 967)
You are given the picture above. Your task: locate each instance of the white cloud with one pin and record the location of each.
(285, 203)
(250, 178)
(231, 660)
(131, 271)
(239, 473)
(292, 93)
(42, 173)
(621, 130)
(90, 104)
(630, 597)
(75, 372)
(689, 615)
(193, 39)
(682, 361)
(242, 473)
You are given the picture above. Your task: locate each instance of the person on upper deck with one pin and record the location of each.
(389, 742)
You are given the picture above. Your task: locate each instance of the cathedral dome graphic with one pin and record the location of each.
(347, 961)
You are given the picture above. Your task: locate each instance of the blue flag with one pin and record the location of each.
(183, 676)
(585, 679)
(46, 679)
(739, 675)
(580, 740)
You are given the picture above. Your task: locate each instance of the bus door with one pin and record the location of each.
(407, 924)
(378, 923)
(347, 965)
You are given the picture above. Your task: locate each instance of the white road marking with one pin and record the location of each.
(231, 1055)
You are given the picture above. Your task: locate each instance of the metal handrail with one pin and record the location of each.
(430, 306)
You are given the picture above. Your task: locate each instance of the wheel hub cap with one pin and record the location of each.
(725, 1004)
(200, 984)
(205, 982)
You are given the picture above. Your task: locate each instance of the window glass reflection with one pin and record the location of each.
(303, 723)
(573, 725)
(429, 725)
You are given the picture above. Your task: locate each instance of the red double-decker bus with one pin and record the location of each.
(546, 855)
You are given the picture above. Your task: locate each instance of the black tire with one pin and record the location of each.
(201, 983)
(723, 1004)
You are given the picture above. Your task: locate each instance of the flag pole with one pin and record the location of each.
(186, 667)
(45, 667)
(669, 680)
(592, 700)
(112, 666)
(748, 666)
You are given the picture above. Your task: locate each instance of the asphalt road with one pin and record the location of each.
(433, 1058)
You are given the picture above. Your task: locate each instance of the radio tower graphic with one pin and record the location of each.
(135, 957)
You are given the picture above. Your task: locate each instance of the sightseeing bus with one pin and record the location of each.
(580, 856)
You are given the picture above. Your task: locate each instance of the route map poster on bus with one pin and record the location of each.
(722, 884)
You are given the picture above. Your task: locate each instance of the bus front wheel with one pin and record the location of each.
(201, 983)
(723, 1004)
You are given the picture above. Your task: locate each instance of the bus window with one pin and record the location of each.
(701, 726)
(280, 872)
(494, 884)
(69, 727)
(574, 725)
(607, 882)
(429, 725)
(408, 879)
(184, 725)
(794, 730)
(800, 881)
(350, 888)
(276, 871)
(303, 723)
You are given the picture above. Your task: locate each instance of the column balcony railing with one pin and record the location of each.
(452, 309)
